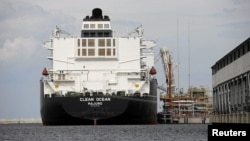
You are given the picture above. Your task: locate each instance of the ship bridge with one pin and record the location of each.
(96, 25)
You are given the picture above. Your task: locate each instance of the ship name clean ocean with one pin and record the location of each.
(95, 102)
(96, 99)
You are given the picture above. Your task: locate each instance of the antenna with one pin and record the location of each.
(189, 55)
(178, 84)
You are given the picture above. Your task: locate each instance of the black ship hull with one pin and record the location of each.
(99, 109)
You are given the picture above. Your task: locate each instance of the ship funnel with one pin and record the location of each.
(97, 16)
(97, 13)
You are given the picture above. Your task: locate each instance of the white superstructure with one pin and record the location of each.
(98, 62)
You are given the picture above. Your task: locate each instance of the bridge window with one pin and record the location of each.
(91, 42)
(91, 52)
(106, 25)
(108, 42)
(108, 52)
(78, 42)
(78, 52)
(113, 42)
(96, 47)
(92, 26)
(86, 26)
(84, 42)
(100, 26)
(101, 42)
(84, 52)
(101, 52)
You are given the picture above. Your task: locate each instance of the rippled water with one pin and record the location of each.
(159, 132)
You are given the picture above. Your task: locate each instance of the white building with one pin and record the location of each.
(231, 84)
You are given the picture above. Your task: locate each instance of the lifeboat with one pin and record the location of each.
(45, 72)
(152, 71)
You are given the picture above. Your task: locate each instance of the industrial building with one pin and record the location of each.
(231, 86)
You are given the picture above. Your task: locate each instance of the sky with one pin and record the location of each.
(197, 32)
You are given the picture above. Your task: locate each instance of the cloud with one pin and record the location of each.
(18, 49)
(24, 26)
(22, 19)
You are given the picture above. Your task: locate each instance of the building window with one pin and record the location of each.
(91, 52)
(100, 34)
(108, 42)
(101, 42)
(86, 26)
(106, 25)
(92, 34)
(101, 52)
(78, 52)
(100, 26)
(86, 34)
(106, 34)
(84, 52)
(108, 52)
(113, 42)
(92, 26)
(91, 42)
(84, 42)
(78, 42)
(243, 50)
(248, 46)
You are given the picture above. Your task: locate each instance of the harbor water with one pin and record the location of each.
(158, 132)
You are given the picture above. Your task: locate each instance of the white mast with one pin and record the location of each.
(178, 62)
(189, 55)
